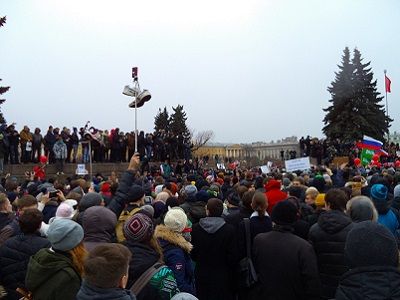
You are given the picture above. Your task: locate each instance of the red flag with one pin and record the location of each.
(387, 84)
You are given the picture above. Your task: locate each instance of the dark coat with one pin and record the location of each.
(51, 275)
(236, 218)
(301, 229)
(120, 200)
(313, 218)
(90, 292)
(143, 257)
(372, 283)
(176, 252)
(215, 254)
(195, 210)
(49, 211)
(328, 237)
(5, 219)
(286, 265)
(257, 225)
(9, 230)
(14, 257)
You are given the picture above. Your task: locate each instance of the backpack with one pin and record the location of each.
(119, 229)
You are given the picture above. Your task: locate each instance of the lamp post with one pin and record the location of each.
(140, 97)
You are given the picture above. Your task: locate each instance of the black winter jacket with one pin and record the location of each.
(91, 292)
(372, 283)
(236, 218)
(328, 237)
(286, 265)
(162, 286)
(257, 225)
(14, 258)
(215, 254)
(120, 200)
(5, 219)
(195, 210)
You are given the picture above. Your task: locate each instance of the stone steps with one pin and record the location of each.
(69, 169)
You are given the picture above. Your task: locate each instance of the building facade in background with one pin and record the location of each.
(276, 150)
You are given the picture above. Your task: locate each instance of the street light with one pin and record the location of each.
(140, 97)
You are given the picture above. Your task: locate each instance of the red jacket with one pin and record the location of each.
(274, 194)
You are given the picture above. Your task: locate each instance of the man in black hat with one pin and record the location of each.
(285, 263)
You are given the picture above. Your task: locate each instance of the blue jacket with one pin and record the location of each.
(176, 256)
(390, 221)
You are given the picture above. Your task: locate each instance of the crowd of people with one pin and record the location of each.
(325, 150)
(105, 146)
(317, 234)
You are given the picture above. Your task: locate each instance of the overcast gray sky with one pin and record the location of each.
(251, 70)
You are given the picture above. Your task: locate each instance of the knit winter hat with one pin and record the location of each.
(139, 228)
(175, 219)
(379, 193)
(202, 196)
(371, 244)
(65, 210)
(89, 200)
(284, 213)
(64, 234)
(234, 198)
(190, 190)
(148, 209)
(135, 193)
(320, 200)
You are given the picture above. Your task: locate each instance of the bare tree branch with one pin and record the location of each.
(201, 138)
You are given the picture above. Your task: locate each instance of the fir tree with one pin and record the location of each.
(3, 89)
(342, 93)
(177, 122)
(161, 120)
(372, 120)
(355, 108)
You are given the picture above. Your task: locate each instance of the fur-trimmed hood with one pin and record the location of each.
(162, 232)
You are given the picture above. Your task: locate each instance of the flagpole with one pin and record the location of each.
(387, 108)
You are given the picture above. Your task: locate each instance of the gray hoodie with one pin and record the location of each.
(99, 226)
(211, 224)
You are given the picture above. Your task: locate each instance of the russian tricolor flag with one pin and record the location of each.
(370, 143)
(383, 153)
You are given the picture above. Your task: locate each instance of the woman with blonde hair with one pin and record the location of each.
(361, 208)
(56, 273)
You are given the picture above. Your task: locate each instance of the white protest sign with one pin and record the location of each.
(220, 166)
(297, 164)
(265, 169)
(81, 170)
